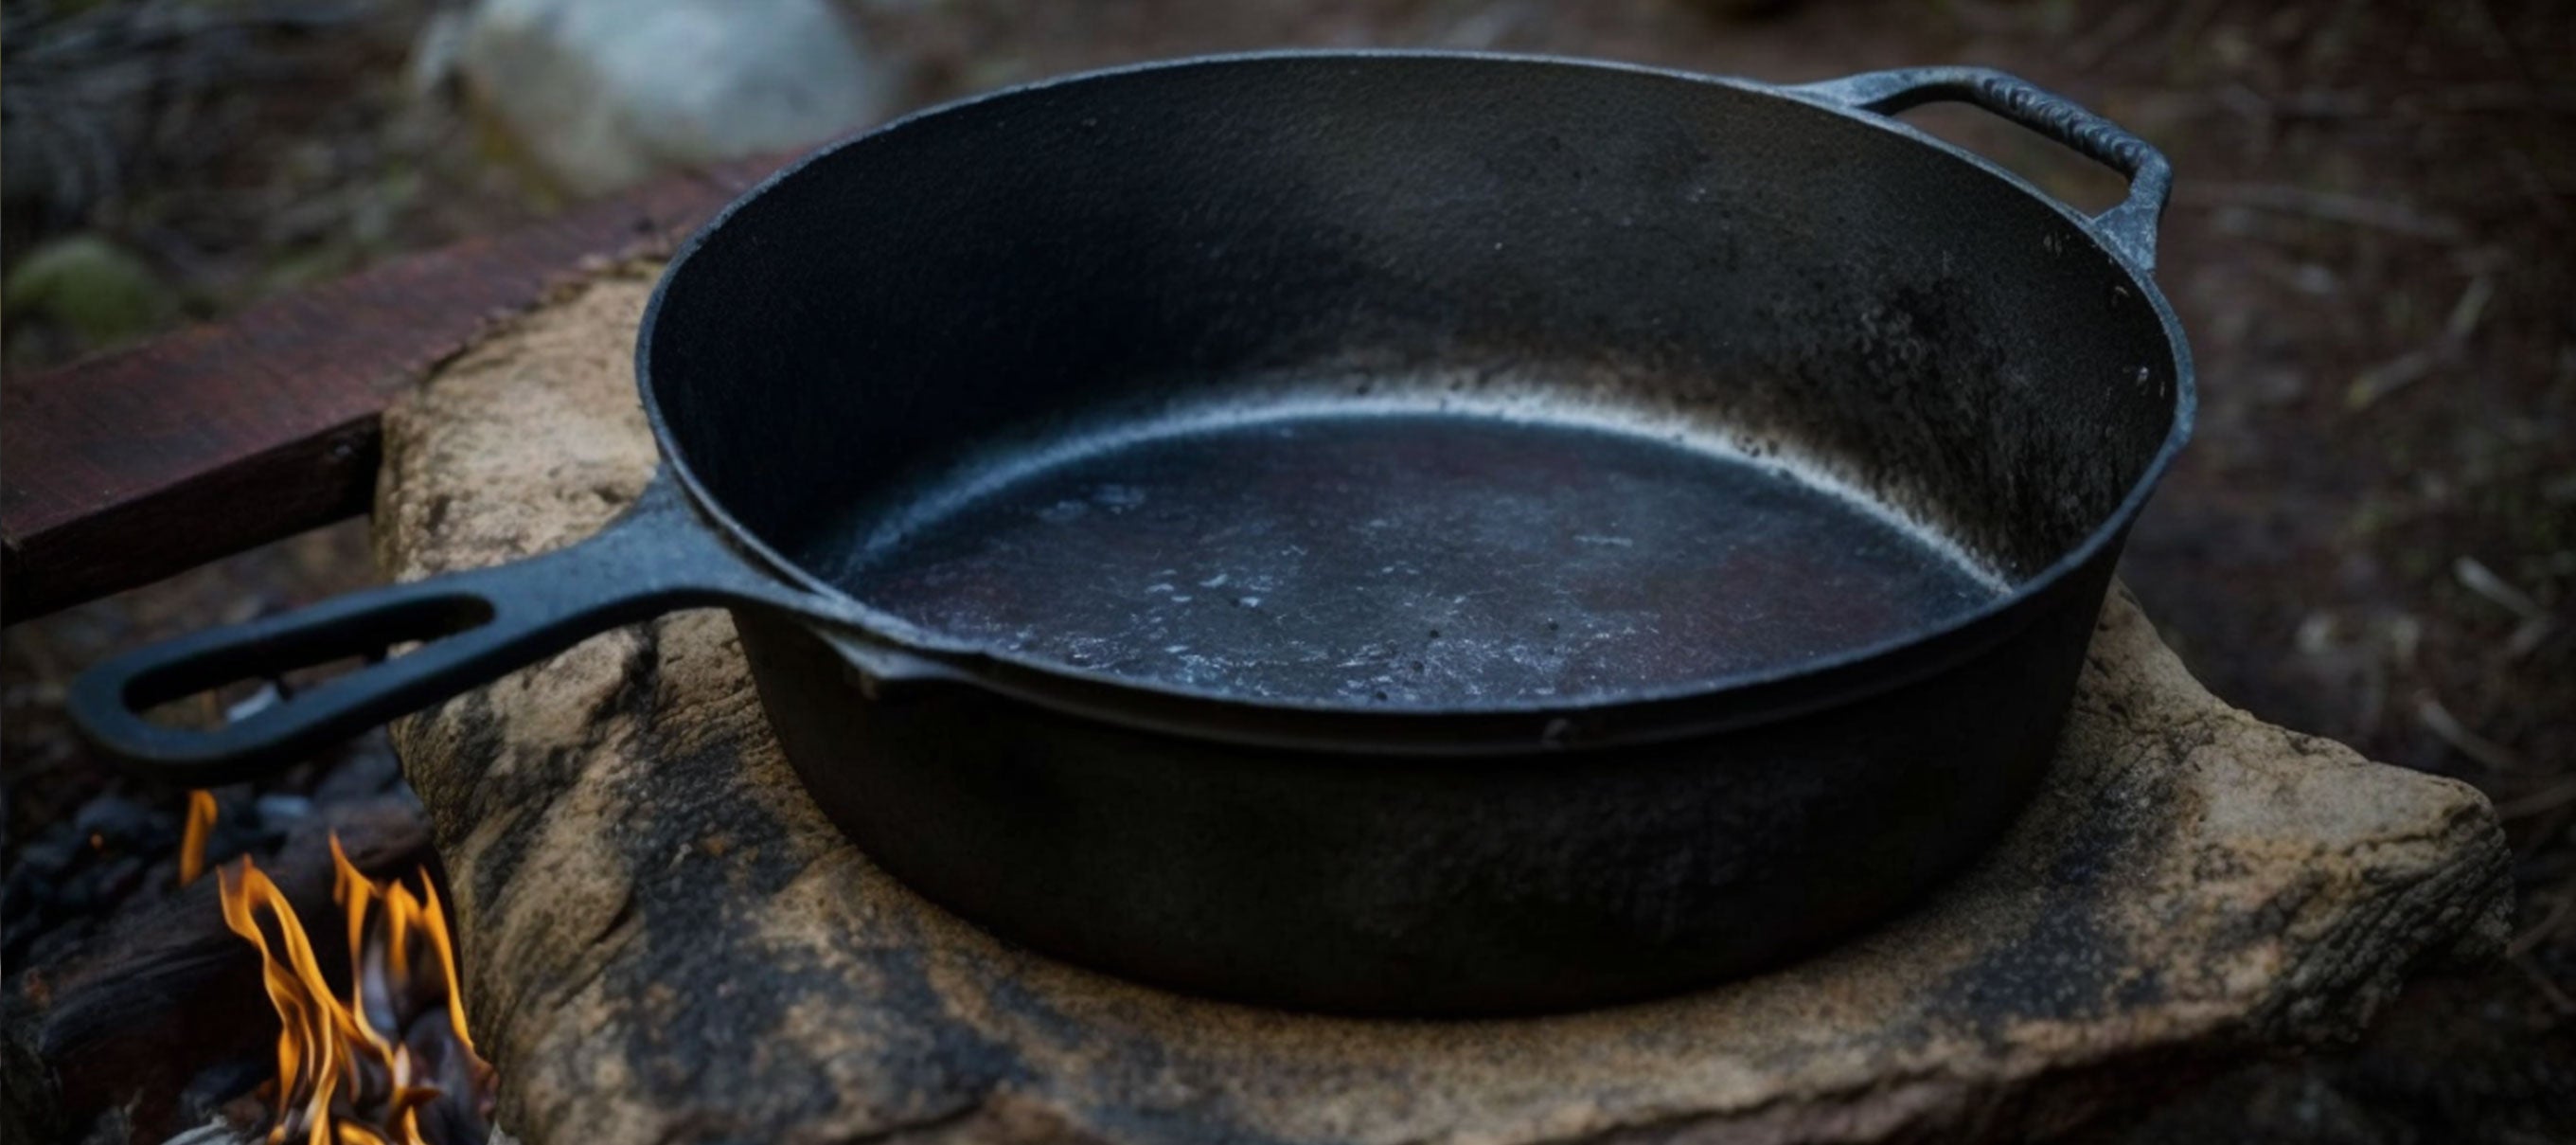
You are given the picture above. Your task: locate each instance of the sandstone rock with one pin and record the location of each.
(603, 93)
(665, 941)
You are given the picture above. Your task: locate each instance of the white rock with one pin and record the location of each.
(603, 93)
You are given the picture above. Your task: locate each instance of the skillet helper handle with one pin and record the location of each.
(2130, 227)
(477, 626)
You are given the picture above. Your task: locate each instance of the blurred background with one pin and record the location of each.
(2373, 537)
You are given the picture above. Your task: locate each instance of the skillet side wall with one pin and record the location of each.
(1391, 885)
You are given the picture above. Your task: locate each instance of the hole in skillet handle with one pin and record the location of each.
(473, 626)
(295, 662)
(2050, 166)
(2129, 225)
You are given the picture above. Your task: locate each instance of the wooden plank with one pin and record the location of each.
(128, 467)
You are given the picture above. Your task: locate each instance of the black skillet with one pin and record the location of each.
(1395, 533)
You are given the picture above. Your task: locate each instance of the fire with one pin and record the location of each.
(192, 842)
(390, 1059)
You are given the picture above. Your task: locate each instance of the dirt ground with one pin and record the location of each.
(2373, 536)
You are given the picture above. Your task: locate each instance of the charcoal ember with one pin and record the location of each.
(49, 853)
(279, 810)
(217, 1086)
(367, 767)
(243, 826)
(28, 898)
(49, 888)
(120, 877)
(114, 823)
(76, 873)
(77, 892)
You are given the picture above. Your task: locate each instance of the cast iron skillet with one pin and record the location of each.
(1378, 532)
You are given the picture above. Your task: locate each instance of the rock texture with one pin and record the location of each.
(664, 940)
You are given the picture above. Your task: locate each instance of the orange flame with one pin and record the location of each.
(192, 841)
(347, 1069)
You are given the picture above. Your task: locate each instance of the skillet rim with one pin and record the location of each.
(882, 644)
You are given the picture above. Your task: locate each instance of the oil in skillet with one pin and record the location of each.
(1413, 559)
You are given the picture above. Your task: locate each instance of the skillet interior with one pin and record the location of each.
(1026, 370)
(1349, 547)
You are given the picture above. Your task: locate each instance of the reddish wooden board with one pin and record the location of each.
(125, 468)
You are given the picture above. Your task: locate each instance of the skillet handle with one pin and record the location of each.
(477, 624)
(2130, 227)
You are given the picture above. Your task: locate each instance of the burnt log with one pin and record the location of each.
(665, 941)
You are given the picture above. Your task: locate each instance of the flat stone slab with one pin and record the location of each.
(665, 941)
